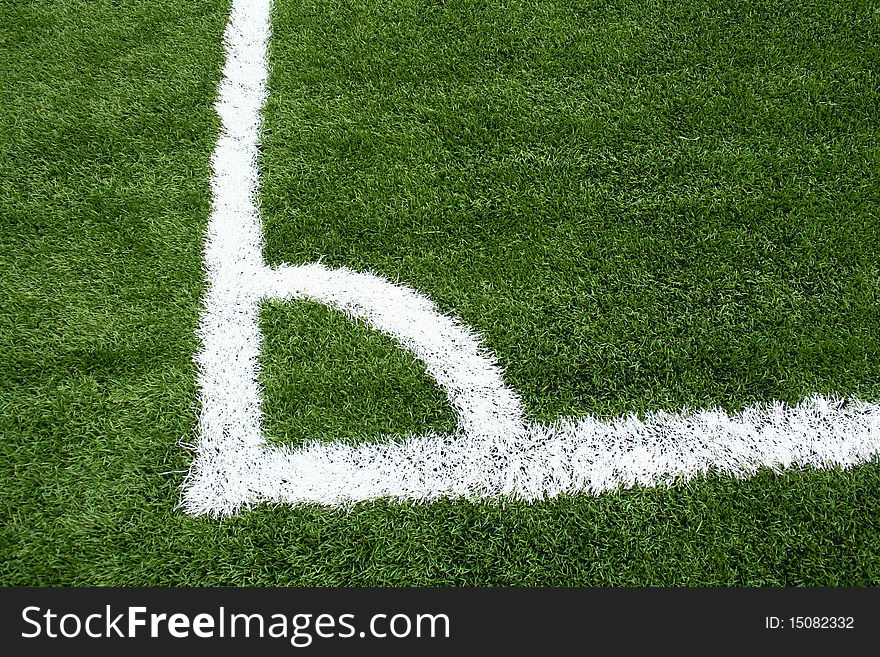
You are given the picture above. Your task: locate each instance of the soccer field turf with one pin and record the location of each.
(638, 205)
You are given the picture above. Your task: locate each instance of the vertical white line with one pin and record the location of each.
(230, 418)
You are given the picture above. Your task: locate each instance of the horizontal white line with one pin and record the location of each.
(565, 457)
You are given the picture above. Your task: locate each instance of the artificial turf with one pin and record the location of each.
(639, 205)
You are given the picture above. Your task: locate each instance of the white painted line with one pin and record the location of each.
(494, 451)
(451, 352)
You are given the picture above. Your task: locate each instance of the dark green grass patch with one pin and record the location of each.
(752, 240)
(326, 378)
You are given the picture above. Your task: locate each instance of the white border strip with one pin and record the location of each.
(494, 451)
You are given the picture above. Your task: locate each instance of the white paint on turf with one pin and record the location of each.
(494, 451)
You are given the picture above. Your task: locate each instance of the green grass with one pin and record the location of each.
(638, 204)
(328, 378)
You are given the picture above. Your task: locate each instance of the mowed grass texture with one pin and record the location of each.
(638, 205)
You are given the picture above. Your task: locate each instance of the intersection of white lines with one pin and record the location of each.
(495, 451)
